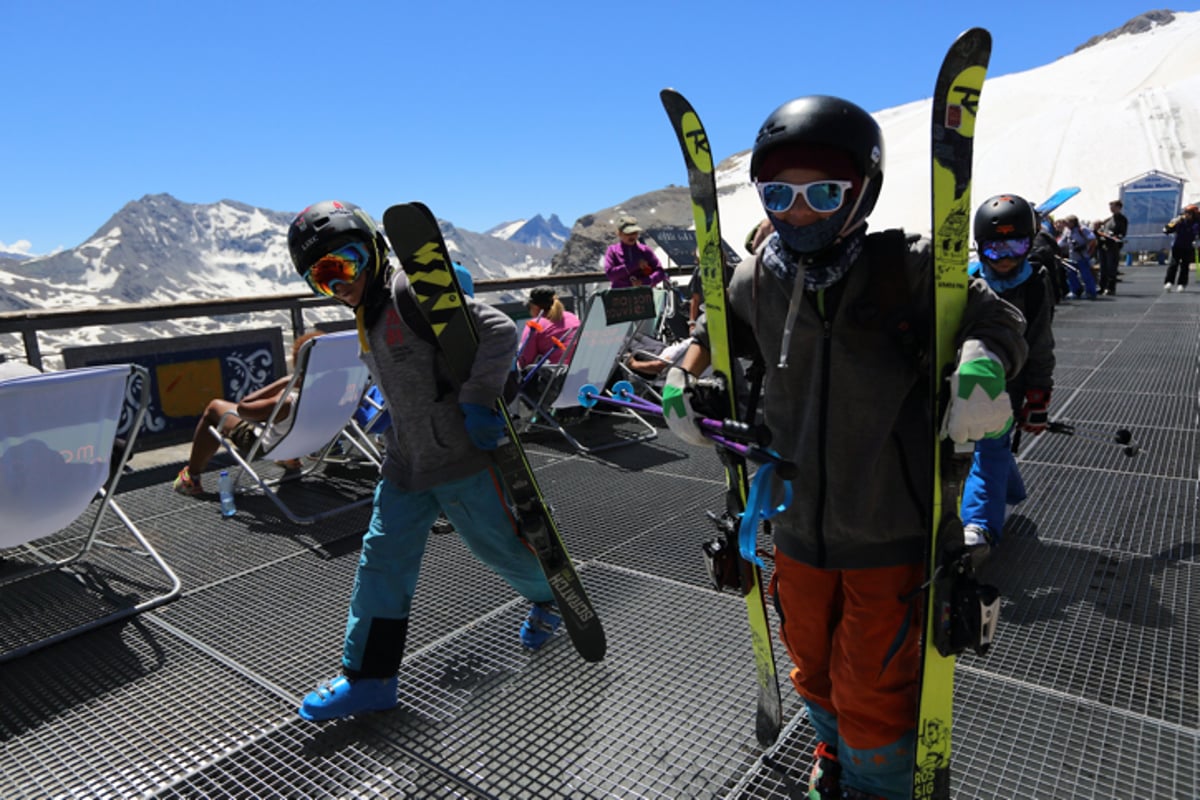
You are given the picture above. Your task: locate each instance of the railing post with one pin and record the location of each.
(297, 321)
(33, 353)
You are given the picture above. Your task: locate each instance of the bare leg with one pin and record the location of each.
(204, 444)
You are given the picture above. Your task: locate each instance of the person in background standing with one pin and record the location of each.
(1078, 243)
(1111, 235)
(1005, 227)
(628, 262)
(1046, 252)
(1186, 228)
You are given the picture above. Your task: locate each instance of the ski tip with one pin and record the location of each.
(973, 40)
(397, 213)
(407, 208)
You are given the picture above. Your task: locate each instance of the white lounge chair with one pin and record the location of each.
(328, 385)
(598, 345)
(56, 457)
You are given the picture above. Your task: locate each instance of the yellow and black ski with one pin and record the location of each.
(693, 141)
(414, 234)
(955, 106)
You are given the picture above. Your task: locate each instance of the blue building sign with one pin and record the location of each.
(1150, 202)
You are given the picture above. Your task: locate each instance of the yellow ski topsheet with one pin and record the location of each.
(955, 112)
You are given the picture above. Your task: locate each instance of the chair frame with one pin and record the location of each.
(107, 493)
(542, 407)
(362, 437)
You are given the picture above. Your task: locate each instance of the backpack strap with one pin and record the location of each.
(888, 304)
(410, 312)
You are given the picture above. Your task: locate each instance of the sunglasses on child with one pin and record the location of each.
(1004, 248)
(821, 196)
(343, 265)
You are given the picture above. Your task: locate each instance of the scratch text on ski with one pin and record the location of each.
(562, 584)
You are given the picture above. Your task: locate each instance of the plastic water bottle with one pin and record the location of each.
(225, 487)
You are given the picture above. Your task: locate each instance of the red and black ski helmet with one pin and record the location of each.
(324, 227)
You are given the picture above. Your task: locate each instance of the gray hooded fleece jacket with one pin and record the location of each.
(427, 444)
(852, 409)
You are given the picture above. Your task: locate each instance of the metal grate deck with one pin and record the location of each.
(1092, 691)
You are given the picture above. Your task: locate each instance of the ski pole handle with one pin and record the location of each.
(738, 431)
(787, 470)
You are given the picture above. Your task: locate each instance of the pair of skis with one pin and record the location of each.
(955, 107)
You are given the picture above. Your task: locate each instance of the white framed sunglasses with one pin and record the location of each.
(821, 196)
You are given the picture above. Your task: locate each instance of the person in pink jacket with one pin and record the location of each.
(551, 330)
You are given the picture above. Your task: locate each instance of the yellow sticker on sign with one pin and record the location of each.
(185, 387)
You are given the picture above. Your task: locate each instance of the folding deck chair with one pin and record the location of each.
(329, 382)
(650, 349)
(598, 345)
(364, 432)
(56, 457)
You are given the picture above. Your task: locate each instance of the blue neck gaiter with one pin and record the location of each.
(1002, 283)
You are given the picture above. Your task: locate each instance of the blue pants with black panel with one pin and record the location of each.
(394, 546)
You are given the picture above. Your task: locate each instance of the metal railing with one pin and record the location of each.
(30, 323)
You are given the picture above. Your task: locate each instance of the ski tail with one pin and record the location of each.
(1057, 199)
(955, 106)
(697, 153)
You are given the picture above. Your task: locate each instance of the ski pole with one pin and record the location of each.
(1123, 437)
(622, 395)
(533, 325)
(560, 344)
(759, 455)
(725, 433)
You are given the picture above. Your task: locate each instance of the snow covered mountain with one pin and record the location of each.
(8, 254)
(550, 233)
(1121, 105)
(159, 249)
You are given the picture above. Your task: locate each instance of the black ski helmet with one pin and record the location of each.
(821, 121)
(1005, 216)
(324, 227)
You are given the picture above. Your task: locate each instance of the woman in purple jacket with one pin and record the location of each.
(628, 262)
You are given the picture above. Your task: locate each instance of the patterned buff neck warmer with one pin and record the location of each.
(784, 262)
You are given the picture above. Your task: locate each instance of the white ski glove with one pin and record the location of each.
(677, 407)
(979, 406)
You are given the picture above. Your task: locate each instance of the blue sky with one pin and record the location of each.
(487, 112)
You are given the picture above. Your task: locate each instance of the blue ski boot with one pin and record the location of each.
(342, 697)
(540, 625)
